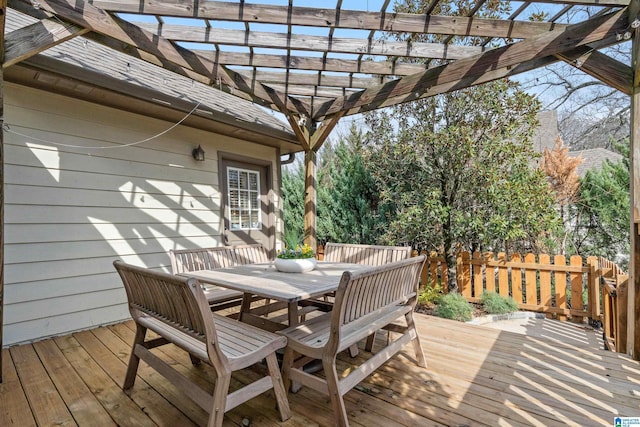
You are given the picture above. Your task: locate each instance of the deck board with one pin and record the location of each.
(554, 376)
(83, 405)
(14, 406)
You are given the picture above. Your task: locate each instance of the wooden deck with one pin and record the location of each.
(476, 376)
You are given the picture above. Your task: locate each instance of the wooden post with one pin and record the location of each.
(633, 290)
(593, 282)
(622, 287)
(311, 137)
(3, 15)
(310, 198)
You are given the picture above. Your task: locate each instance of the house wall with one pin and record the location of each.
(69, 212)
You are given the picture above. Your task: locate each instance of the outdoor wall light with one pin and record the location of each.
(198, 153)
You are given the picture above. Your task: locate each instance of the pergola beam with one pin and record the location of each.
(413, 87)
(309, 63)
(257, 39)
(341, 81)
(312, 90)
(28, 41)
(330, 18)
(600, 66)
(128, 38)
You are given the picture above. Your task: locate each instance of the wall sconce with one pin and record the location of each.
(198, 153)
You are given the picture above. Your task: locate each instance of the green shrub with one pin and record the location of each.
(494, 303)
(430, 295)
(454, 306)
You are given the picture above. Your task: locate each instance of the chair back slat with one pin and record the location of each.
(365, 254)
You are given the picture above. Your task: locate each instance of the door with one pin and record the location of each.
(246, 204)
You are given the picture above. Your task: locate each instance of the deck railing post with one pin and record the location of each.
(593, 294)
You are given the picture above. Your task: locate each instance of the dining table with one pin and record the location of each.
(290, 290)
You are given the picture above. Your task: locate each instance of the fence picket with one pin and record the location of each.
(530, 280)
(560, 285)
(490, 272)
(477, 266)
(464, 280)
(577, 302)
(516, 279)
(503, 275)
(545, 281)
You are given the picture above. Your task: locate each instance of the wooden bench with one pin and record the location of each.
(366, 301)
(176, 309)
(365, 254)
(185, 260)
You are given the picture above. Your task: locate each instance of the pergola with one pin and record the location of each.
(318, 65)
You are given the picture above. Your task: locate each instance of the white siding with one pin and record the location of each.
(71, 211)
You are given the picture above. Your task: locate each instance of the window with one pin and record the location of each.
(243, 188)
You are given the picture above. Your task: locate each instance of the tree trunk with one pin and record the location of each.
(451, 260)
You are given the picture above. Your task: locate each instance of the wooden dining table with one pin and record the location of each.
(264, 280)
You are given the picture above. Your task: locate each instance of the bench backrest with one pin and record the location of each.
(368, 291)
(177, 301)
(365, 254)
(186, 260)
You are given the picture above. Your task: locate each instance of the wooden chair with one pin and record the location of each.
(185, 260)
(366, 301)
(176, 309)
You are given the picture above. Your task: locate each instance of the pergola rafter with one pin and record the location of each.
(317, 65)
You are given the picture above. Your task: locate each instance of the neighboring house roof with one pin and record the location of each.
(546, 133)
(593, 159)
(95, 64)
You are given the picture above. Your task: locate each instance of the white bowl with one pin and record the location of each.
(295, 265)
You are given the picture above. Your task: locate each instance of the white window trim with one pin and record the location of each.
(259, 208)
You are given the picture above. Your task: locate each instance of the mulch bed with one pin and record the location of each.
(478, 309)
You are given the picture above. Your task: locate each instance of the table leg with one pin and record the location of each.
(245, 307)
(292, 310)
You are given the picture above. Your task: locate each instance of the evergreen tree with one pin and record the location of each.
(350, 199)
(602, 226)
(293, 202)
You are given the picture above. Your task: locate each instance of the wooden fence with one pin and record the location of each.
(576, 288)
(614, 284)
(556, 286)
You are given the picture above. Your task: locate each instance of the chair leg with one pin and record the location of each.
(134, 360)
(369, 344)
(194, 360)
(411, 326)
(278, 387)
(337, 402)
(287, 365)
(220, 392)
(353, 350)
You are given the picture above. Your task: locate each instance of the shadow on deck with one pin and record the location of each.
(552, 374)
